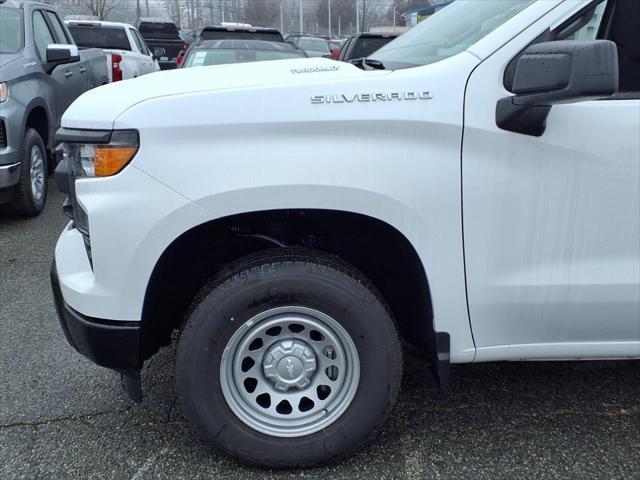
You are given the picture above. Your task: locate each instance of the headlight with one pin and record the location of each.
(4, 91)
(102, 159)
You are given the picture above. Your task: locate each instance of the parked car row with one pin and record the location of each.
(218, 52)
(46, 64)
(350, 49)
(229, 32)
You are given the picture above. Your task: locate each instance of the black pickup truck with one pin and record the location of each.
(163, 40)
(42, 72)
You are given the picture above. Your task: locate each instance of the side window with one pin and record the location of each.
(41, 34)
(585, 27)
(141, 43)
(614, 20)
(618, 21)
(56, 27)
(343, 50)
(136, 40)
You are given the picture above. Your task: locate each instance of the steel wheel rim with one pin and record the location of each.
(314, 369)
(36, 173)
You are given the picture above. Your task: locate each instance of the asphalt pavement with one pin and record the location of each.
(61, 417)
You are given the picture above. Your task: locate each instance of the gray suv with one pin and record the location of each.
(42, 72)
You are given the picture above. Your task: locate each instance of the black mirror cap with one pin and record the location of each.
(566, 71)
(62, 53)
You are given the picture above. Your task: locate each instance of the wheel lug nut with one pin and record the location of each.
(329, 352)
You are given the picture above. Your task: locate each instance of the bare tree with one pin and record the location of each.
(404, 5)
(342, 11)
(264, 13)
(100, 8)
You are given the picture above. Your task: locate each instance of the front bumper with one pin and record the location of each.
(110, 344)
(9, 175)
(168, 64)
(11, 118)
(12, 114)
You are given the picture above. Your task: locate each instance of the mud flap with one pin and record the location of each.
(132, 384)
(440, 363)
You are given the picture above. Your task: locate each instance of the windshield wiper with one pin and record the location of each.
(364, 62)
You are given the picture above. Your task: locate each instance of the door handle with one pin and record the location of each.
(83, 69)
(68, 74)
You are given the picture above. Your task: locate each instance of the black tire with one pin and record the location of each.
(273, 279)
(24, 202)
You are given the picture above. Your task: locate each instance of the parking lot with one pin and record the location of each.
(63, 417)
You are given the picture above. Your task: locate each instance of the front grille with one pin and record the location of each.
(72, 208)
(3, 135)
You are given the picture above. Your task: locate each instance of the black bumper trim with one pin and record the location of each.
(110, 344)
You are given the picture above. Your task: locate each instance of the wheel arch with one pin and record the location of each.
(37, 117)
(381, 251)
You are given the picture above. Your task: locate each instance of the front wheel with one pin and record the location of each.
(289, 359)
(31, 191)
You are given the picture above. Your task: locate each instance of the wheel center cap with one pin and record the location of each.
(289, 363)
(290, 367)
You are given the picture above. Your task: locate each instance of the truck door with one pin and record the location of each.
(82, 70)
(65, 79)
(552, 223)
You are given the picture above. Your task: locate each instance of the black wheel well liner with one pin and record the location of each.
(39, 121)
(376, 248)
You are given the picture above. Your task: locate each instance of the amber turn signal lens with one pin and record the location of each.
(108, 161)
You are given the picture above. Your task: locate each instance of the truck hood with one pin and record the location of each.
(99, 108)
(7, 58)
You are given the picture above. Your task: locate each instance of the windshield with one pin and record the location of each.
(100, 37)
(200, 58)
(11, 28)
(314, 44)
(450, 31)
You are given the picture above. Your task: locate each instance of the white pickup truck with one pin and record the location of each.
(127, 52)
(473, 187)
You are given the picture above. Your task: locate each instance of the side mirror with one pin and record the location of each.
(552, 73)
(59, 54)
(159, 52)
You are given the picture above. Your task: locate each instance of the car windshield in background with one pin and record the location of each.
(314, 44)
(449, 31)
(199, 58)
(240, 34)
(100, 37)
(158, 28)
(10, 30)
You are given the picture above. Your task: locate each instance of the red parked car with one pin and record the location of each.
(335, 46)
